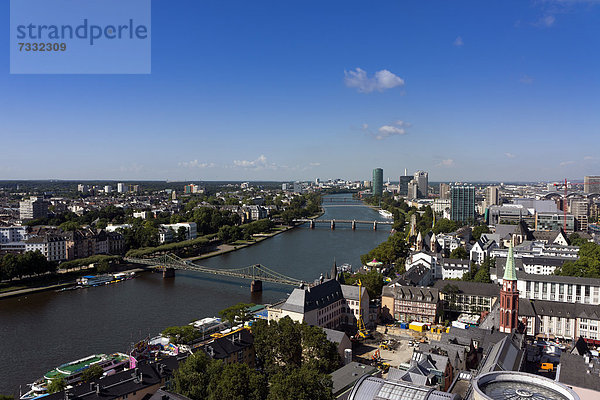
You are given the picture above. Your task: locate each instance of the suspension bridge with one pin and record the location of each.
(257, 273)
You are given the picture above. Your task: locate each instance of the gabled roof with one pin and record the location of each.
(312, 298)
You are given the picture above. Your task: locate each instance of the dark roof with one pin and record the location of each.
(412, 293)
(223, 347)
(526, 308)
(414, 275)
(580, 347)
(522, 276)
(344, 378)
(505, 355)
(163, 394)
(123, 383)
(566, 310)
(571, 372)
(312, 298)
(470, 288)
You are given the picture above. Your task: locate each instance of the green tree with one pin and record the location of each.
(91, 373)
(5, 397)
(482, 275)
(445, 225)
(238, 382)
(576, 240)
(479, 230)
(372, 280)
(69, 226)
(193, 376)
(182, 334)
(57, 385)
(300, 384)
(459, 253)
(238, 312)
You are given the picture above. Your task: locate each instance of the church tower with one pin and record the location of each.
(509, 296)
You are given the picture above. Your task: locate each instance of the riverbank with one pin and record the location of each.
(44, 288)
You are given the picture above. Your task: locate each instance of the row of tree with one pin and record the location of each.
(588, 263)
(294, 362)
(26, 264)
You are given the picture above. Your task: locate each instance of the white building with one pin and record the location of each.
(482, 249)
(328, 305)
(121, 188)
(12, 234)
(165, 234)
(33, 208)
(53, 247)
(107, 189)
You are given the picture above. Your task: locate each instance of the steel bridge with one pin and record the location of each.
(333, 222)
(257, 273)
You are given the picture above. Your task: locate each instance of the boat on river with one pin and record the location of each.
(72, 372)
(386, 214)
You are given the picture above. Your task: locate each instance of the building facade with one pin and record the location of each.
(409, 303)
(378, 182)
(463, 203)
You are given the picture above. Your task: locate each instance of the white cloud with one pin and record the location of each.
(526, 80)
(546, 21)
(314, 164)
(458, 42)
(196, 164)
(398, 128)
(365, 126)
(589, 158)
(382, 80)
(446, 163)
(565, 163)
(260, 163)
(509, 155)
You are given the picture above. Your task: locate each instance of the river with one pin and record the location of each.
(41, 331)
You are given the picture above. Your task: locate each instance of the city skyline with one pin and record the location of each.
(468, 92)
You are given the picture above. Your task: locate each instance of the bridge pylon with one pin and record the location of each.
(168, 272)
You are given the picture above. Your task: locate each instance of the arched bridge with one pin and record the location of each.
(333, 222)
(256, 273)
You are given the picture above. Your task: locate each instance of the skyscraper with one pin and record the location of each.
(462, 203)
(444, 191)
(422, 179)
(378, 182)
(492, 196)
(403, 184)
(591, 184)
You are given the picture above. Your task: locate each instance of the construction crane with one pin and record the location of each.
(565, 186)
(360, 324)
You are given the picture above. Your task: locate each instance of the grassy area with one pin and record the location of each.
(185, 246)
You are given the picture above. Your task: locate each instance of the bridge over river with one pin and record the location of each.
(256, 273)
(333, 222)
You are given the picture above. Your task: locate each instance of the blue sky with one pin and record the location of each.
(277, 90)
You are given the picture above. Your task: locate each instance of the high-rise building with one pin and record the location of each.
(422, 179)
(444, 191)
(462, 200)
(34, 208)
(403, 185)
(378, 182)
(121, 187)
(492, 196)
(591, 184)
(580, 208)
(107, 189)
(413, 190)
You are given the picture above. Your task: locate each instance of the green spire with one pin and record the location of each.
(510, 273)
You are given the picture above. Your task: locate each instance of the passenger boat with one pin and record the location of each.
(71, 372)
(386, 214)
